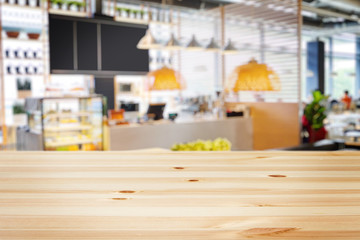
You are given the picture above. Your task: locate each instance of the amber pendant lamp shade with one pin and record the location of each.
(254, 77)
(164, 79)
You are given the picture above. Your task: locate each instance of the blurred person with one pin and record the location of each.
(346, 99)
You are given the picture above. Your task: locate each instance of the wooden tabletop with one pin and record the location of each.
(164, 195)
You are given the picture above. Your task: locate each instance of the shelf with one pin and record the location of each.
(68, 13)
(74, 142)
(19, 75)
(23, 59)
(162, 23)
(20, 6)
(140, 21)
(23, 40)
(70, 128)
(130, 20)
(67, 115)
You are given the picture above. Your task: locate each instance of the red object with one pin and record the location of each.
(316, 135)
(305, 122)
(34, 36)
(347, 101)
(116, 114)
(12, 34)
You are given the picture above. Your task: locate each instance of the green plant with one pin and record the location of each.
(127, 11)
(18, 108)
(315, 112)
(23, 85)
(80, 4)
(134, 11)
(59, 2)
(69, 3)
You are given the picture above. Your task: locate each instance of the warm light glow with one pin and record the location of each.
(164, 79)
(254, 77)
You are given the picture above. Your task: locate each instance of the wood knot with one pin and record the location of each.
(276, 175)
(193, 180)
(264, 205)
(179, 168)
(126, 191)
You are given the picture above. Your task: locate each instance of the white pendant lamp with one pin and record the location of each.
(212, 46)
(230, 48)
(173, 43)
(193, 45)
(148, 41)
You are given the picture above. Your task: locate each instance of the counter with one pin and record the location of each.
(184, 195)
(237, 130)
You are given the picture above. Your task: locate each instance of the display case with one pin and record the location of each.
(67, 124)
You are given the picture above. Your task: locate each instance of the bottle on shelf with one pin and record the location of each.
(27, 53)
(17, 53)
(27, 69)
(8, 52)
(9, 69)
(18, 69)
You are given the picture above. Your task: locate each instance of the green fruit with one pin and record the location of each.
(219, 144)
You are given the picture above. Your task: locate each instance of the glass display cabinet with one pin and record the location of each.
(67, 123)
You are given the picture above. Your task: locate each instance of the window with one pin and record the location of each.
(343, 77)
(340, 65)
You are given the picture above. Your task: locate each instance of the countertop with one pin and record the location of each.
(181, 121)
(238, 130)
(183, 195)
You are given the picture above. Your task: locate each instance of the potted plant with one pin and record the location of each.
(81, 6)
(56, 4)
(72, 6)
(314, 116)
(24, 88)
(118, 11)
(20, 117)
(75, 5)
(144, 15)
(125, 12)
(140, 14)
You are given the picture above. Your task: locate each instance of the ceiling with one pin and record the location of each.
(327, 15)
(331, 13)
(195, 4)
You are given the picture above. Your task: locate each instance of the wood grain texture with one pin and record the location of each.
(183, 195)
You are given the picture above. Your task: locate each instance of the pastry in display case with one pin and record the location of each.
(68, 123)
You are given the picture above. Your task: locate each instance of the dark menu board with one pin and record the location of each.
(61, 34)
(95, 45)
(87, 46)
(118, 48)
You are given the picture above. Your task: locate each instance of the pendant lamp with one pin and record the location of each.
(230, 48)
(212, 46)
(254, 77)
(164, 79)
(173, 43)
(148, 41)
(193, 45)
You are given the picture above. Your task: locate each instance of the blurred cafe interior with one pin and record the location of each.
(103, 75)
